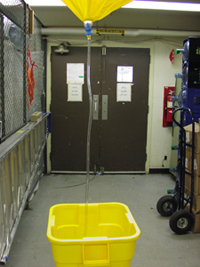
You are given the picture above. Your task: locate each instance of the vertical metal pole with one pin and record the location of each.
(2, 98)
(183, 158)
(44, 49)
(24, 64)
(192, 164)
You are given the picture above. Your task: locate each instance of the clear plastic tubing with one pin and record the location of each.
(89, 123)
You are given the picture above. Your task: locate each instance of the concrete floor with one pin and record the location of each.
(157, 246)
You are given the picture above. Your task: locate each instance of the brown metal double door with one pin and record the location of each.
(119, 128)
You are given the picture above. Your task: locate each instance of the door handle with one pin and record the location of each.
(104, 107)
(95, 107)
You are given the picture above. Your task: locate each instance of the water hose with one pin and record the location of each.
(88, 34)
(89, 122)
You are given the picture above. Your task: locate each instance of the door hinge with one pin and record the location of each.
(103, 50)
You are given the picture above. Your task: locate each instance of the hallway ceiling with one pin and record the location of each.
(123, 18)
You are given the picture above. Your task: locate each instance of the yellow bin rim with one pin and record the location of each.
(84, 240)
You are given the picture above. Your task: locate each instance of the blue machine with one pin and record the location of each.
(189, 96)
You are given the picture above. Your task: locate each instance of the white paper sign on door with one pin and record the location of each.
(75, 92)
(75, 73)
(125, 74)
(124, 92)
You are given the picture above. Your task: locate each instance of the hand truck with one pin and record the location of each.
(178, 205)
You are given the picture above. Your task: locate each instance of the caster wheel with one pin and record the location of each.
(181, 222)
(166, 205)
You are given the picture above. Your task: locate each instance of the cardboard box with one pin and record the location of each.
(196, 183)
(188, 161)
(196, 226)
(36, 116)
(188, 130)
(196, 200)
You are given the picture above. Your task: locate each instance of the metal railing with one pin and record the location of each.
(21, 166)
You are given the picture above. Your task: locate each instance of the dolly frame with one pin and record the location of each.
(182, 219)
(180, 186)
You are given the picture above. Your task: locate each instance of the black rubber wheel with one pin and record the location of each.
(181, 222)
(166, 205)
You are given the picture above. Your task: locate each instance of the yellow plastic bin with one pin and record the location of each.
(108, 240)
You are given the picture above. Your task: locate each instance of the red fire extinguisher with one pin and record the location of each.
(169, 91)
(169, 106)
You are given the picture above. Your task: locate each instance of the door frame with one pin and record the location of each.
(150, 96)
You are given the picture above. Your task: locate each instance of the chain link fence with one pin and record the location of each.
(15, 39)
(37, 46)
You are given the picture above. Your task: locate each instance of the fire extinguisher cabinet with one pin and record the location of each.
(168, 105)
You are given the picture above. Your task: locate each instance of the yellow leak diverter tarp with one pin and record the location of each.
(92, 10)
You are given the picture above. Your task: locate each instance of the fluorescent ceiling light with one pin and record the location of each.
(45, 2)
(164, 6)
(134, 4)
